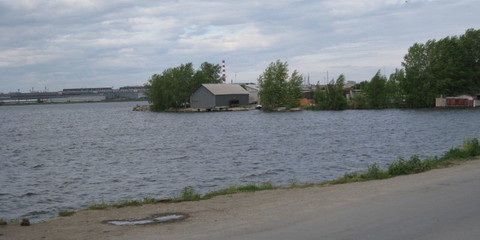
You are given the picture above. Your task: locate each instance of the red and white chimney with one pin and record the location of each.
(224, 75)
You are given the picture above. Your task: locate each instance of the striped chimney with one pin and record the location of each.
(224, 75)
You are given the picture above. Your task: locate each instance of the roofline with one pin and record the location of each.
(222, 94)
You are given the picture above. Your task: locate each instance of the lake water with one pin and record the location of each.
(69, 156)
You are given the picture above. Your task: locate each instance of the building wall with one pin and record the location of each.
(224, 100)
(97, 98)
(122, 95)
(440, 102)
(253, 94)
(202, 98)
(460, 101)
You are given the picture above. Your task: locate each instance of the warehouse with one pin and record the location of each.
(209, 96)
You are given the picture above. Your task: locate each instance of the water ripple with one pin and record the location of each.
(91, 153)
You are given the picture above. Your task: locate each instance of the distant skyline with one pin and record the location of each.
(61, 44)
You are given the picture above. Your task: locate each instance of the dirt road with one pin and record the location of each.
(440, 204)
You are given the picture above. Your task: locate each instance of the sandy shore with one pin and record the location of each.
(230, 215)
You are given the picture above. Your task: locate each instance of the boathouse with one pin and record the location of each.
(458, 101)
(209, 96)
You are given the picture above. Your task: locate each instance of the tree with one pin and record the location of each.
(172, 88)
(417, 84)
(293, 90)
(392, 89)
(360, 85)
(320, 98)
(375, 91)
(359, 101)
(277, 89)
(340, 102)
(331, 97)
(449, 66)
(470, 50)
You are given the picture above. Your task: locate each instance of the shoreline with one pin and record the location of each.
(230, 213)
(73, 102)
(467, 152)
(470, 150)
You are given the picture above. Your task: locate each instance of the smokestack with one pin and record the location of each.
(224, 75)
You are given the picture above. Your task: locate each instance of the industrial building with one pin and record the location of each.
(76, 95)
(209, 96)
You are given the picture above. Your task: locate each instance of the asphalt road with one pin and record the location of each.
(422, 206)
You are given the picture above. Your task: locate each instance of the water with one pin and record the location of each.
(70, 156)
(162, 219)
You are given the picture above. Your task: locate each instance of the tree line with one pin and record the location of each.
(449, 66)
(172, 89)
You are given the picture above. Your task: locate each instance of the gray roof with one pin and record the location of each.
(254, 87)
(225, 89)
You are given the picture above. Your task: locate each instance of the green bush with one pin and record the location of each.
(374, 172)
(347, 177)
(455, 153)
(189, 194)
(471, 147)
(414, 165)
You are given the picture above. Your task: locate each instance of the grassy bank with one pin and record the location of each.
(189, 193)
(468, 151)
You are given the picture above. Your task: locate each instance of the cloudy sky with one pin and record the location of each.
(57, 44)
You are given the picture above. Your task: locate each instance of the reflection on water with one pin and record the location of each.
(70, 156)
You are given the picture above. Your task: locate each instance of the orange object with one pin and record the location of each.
(305, 102)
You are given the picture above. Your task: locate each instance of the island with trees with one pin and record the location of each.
(446, 67)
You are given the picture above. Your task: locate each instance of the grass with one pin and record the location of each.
(238, 189)
(135, 203)
(189, 193)
(103, 205)
(401, 166)
(99, 206)
(469, 150)
(65, 213)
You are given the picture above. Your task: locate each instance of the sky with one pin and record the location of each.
(50, 45)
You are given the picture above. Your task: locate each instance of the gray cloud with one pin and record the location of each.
(89, 43)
